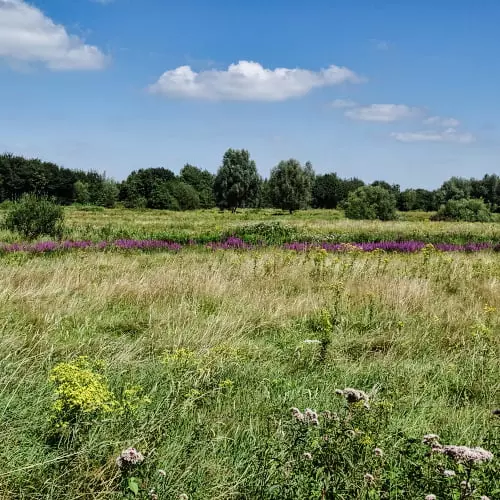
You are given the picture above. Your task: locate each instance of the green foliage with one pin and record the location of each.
(33, 217)
(143, 184)
(237, 182)
(82, 193)
(290, 185)
(83, 396)
(202, 181)
(20, 175)
(107, 195)
(329, 190)
(186, 195)
(371, 202)
(344, 454)
(271, 233)
(161, 197)
(469, 210)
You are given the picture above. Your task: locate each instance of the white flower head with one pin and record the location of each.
(129, 457)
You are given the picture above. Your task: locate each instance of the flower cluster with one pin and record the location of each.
(354, 396)
(463, 454)
(80, 391)
(308, 417)
(234, 243)
(389, 246)
(129, 457)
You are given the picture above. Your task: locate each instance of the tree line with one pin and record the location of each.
(237, 184)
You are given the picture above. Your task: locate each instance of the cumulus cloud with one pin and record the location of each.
(383, 112)
(27, 35)
(439, 121)
(448, 135)
(248, 81)
(343, 103)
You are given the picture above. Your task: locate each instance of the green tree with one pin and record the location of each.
(82, 194)
(456, 188)
(161, 197)
(290, 185)
(469, 210)
(328, 191)
(140, 184)
(237, 181)
(202, 181)
(371, 202)
(407, 200)
(108, 194)
(186, 195)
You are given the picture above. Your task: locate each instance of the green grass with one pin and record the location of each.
(309, 225)
(215, 341)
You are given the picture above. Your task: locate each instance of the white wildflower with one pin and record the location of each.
(431, 439)
(354, 395)
(311, 417)
(128, 457)
(465, 454)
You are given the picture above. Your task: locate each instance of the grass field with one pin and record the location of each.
(195, 359)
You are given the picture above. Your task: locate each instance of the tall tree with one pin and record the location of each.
(237, 181)
(328, 191)
(290, 185)
(202, 181)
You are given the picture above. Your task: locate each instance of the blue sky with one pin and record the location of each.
(401, 91)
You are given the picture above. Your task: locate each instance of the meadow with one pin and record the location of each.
(224, 367)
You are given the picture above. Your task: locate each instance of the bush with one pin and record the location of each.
(34, 217)
(468, 210)
(371, 202)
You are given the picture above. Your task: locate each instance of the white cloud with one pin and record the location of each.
(448, 135)
(439, 121)
(343, 103)
(27, 35)
(383, 112)
(248, 81)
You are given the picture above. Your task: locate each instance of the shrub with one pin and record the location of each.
(371, 202)
(468, 210)
(272, 233)
(33, 217)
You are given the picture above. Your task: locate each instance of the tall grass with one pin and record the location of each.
(215, 341)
